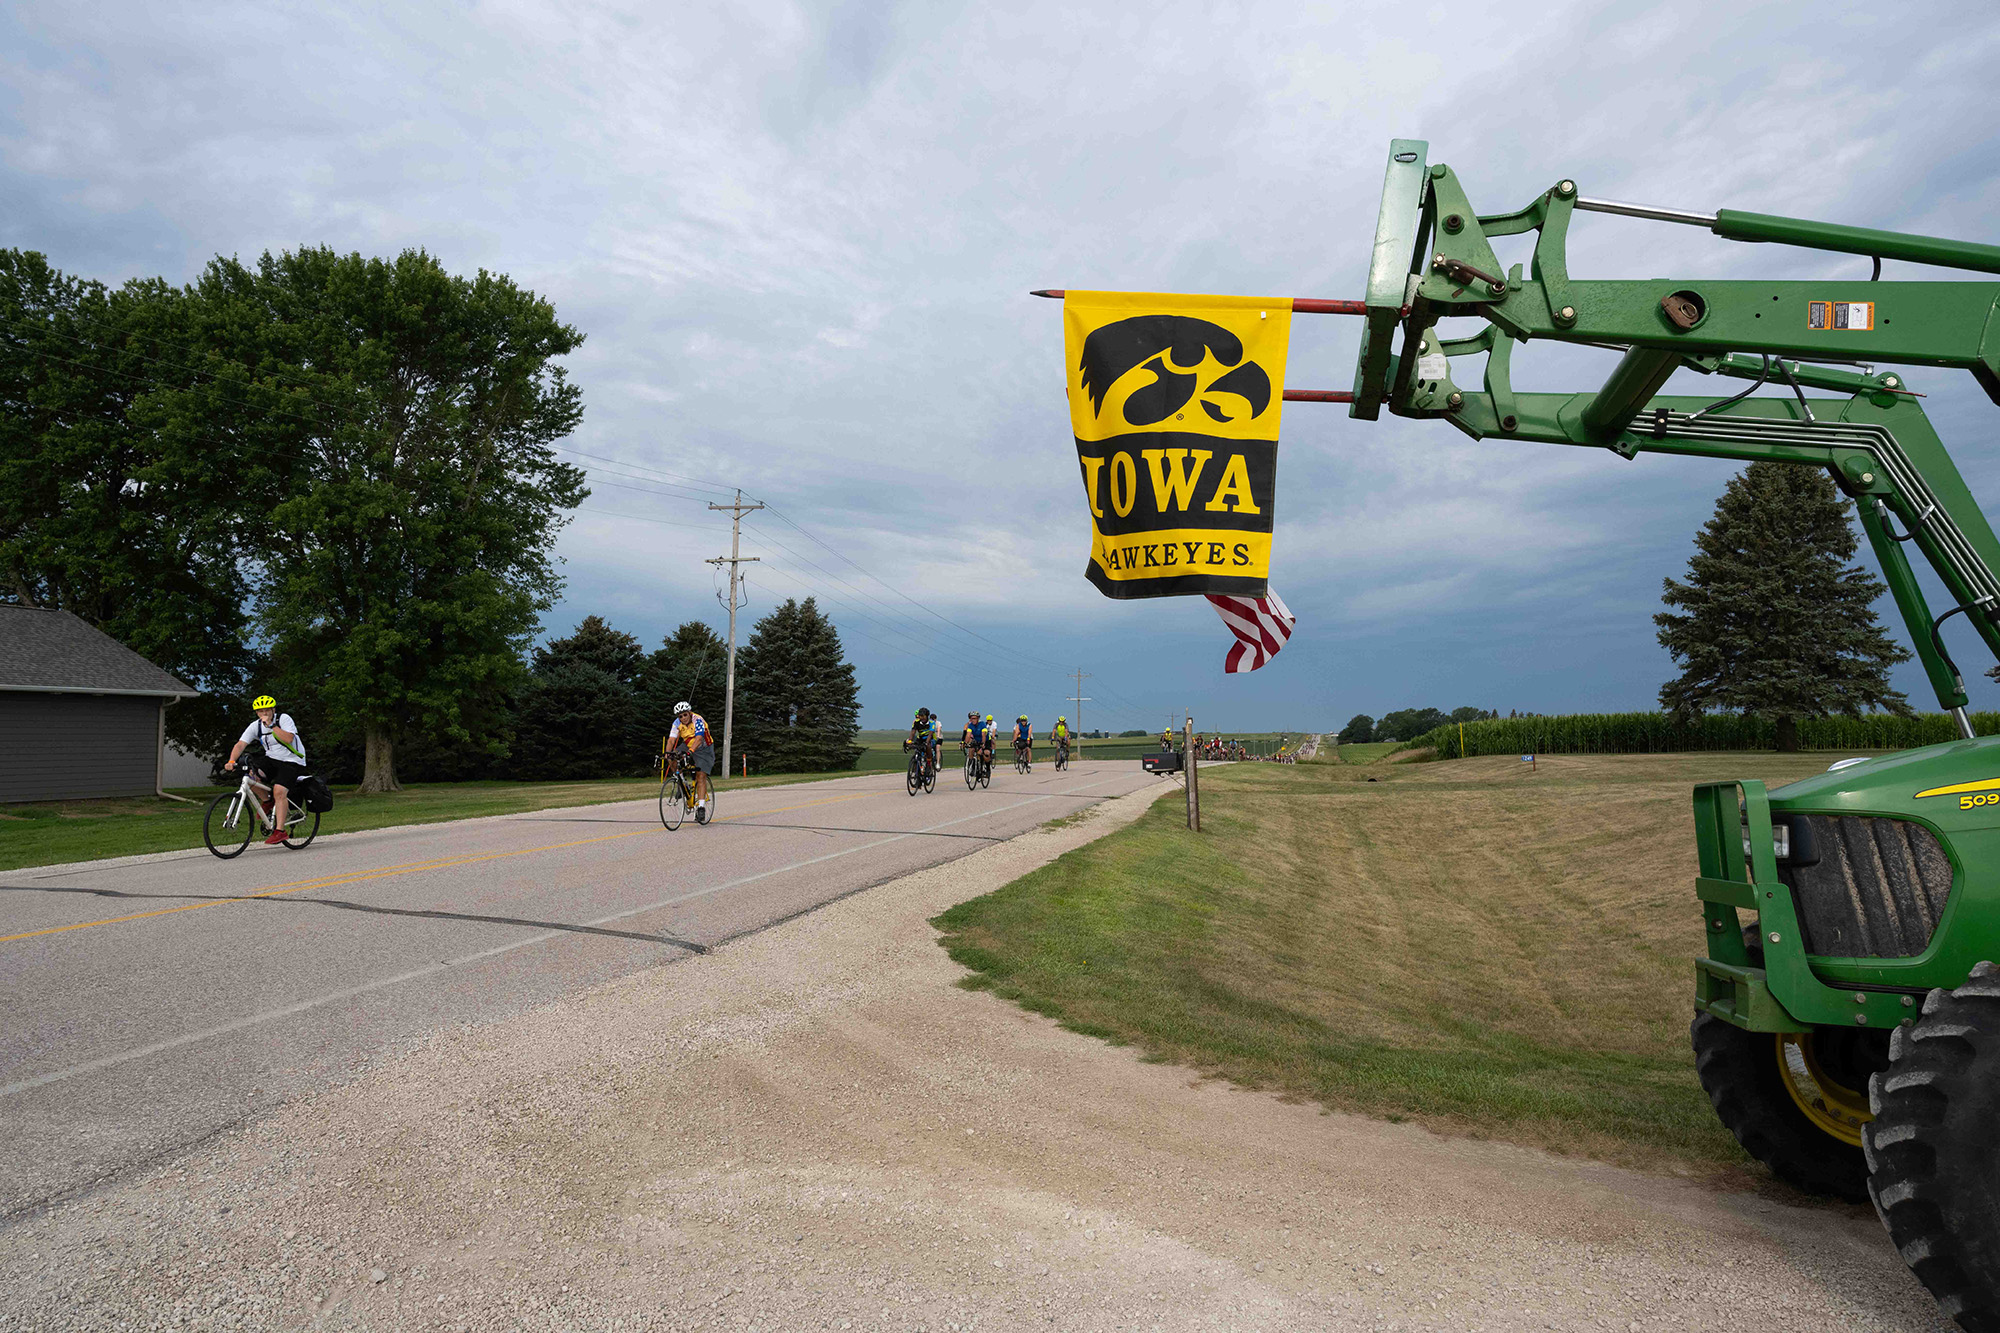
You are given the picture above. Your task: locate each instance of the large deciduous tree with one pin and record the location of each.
(408, 554)
(797, 707)
(1773, 619)
(103, 514)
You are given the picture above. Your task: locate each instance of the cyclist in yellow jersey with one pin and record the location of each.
(690, 732)
(1059, 733)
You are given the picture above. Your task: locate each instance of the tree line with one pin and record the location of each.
(1405, 724)
(326, 476)
(596, 704)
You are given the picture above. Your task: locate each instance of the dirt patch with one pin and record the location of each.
(814, 1128)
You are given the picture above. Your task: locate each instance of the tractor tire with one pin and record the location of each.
(1743, 1075)
(1934, 1165)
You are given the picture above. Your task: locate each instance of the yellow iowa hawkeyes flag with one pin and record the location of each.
(1175, 403)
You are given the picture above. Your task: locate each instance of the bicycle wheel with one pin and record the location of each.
(930, 777)
(985, 771)
(914, 779)
(302, 830)
(227, 825)
(673, 801)
(971, 771)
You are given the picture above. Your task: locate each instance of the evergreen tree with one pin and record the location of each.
(1359, 730)
(1774, 620)
(594, 643)
(797, 709)
(690, 664)
(575, 721)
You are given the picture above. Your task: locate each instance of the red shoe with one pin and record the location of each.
(277, 839)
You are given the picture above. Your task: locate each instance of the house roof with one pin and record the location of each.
(55, 651)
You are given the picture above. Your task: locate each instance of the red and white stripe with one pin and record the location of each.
(1261, 626)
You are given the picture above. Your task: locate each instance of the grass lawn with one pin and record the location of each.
(1466, 944)
(51, 832)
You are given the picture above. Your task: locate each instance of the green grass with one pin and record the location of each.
(53, 832)
(1467, 944)
(1366, 752)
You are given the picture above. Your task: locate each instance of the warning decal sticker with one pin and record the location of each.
(1840, 314)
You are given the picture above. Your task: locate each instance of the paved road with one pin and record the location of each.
(149, 1005)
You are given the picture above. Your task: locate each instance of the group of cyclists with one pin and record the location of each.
(979, 736)
(277, 753)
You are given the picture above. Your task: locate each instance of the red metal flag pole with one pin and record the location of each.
(1301, 305)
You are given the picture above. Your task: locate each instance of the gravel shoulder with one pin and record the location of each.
(814, 1128)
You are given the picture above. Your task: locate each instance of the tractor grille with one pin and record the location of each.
(1876, 891)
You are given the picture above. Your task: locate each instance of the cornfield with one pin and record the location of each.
(1662, 733)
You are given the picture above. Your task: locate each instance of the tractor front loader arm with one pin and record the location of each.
(1433, 259)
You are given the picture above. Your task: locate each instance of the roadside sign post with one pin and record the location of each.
(736, 512)
(1193, 782)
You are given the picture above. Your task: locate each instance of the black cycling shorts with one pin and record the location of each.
(281, 772)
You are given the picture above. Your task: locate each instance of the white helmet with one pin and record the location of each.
(682, 707)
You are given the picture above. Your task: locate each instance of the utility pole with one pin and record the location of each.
(1080, 699)
(736, 512)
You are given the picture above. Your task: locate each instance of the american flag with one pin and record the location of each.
(1261, 626)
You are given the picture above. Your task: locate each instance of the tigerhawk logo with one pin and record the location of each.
(1184, 359)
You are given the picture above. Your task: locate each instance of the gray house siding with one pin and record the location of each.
(58, 747)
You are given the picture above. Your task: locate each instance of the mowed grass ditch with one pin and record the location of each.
(1477, 947)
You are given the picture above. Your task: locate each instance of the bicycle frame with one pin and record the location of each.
(295, 810)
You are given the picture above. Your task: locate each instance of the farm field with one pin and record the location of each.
(1468, 944)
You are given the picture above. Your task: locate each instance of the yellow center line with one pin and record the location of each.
(411, 868)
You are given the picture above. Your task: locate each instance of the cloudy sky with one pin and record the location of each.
(799, 240)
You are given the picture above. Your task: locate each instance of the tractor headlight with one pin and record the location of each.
(1781, 841)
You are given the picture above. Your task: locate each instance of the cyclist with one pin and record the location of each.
(924, 732)
(1060, 735)
(977, 737)
(279, 760)
(1024, 738)
(690, 730)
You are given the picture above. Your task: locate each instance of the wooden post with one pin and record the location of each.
(1193, 782)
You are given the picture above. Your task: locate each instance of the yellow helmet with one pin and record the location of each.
(263, 701)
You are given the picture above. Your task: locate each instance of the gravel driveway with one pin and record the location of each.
(813, 1128)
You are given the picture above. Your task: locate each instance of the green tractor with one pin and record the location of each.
(1847, 1022)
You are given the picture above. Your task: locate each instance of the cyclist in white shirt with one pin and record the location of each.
(279, 757)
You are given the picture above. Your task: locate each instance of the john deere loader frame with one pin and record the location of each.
(1847, 1022)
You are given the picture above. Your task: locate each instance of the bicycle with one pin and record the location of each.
(1062, 755)
(923, 772)
(677, 794)
(1024, 758)
(234, 807)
